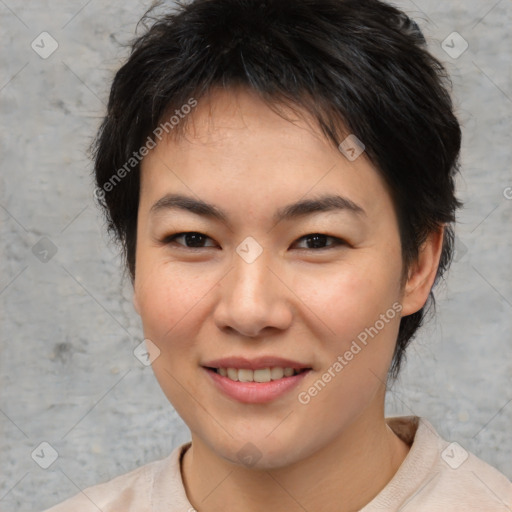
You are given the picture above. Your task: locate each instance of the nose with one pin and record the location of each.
(253, 299)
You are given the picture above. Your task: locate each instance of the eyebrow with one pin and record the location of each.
(326, 203)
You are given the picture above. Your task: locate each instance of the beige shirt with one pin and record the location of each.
(436, 476)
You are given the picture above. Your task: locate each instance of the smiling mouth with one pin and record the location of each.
(260, 375)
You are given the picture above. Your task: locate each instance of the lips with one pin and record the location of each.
(255, 392)
(246, 380)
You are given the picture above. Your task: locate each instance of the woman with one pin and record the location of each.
(281, 177)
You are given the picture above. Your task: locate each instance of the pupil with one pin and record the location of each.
(194, 239)
(317, 241)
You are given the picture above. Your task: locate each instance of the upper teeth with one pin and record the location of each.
(261, 375)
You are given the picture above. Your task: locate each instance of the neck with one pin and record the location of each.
(343, 476)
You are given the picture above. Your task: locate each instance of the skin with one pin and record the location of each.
(197, 304)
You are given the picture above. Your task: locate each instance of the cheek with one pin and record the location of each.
(348, 300)
(359, 316)
(172, 302)
(170, 299)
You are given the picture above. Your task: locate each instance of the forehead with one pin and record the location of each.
(230, 117)
(238, 149)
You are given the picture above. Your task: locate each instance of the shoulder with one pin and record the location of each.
(438, 475)
(132, 491)
(121, 492)
(463, 480)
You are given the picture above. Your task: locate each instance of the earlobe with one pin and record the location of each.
(422, 273)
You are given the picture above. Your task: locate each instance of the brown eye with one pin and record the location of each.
(191, 239)
(319, 241)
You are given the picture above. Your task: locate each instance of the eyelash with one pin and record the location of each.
(338, 241)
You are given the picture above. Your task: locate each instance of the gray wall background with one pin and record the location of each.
(68, 329)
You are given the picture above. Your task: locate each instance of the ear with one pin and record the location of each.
(422, 273)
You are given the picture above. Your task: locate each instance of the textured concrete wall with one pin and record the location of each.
(68, 374)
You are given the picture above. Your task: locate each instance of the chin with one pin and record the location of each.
(262, 454)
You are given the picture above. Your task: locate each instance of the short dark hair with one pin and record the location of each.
(356, 65)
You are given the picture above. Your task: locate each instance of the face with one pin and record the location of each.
(260, 245)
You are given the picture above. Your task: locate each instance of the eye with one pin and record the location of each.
(195, 240)
(190, 240)
(319, 241)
